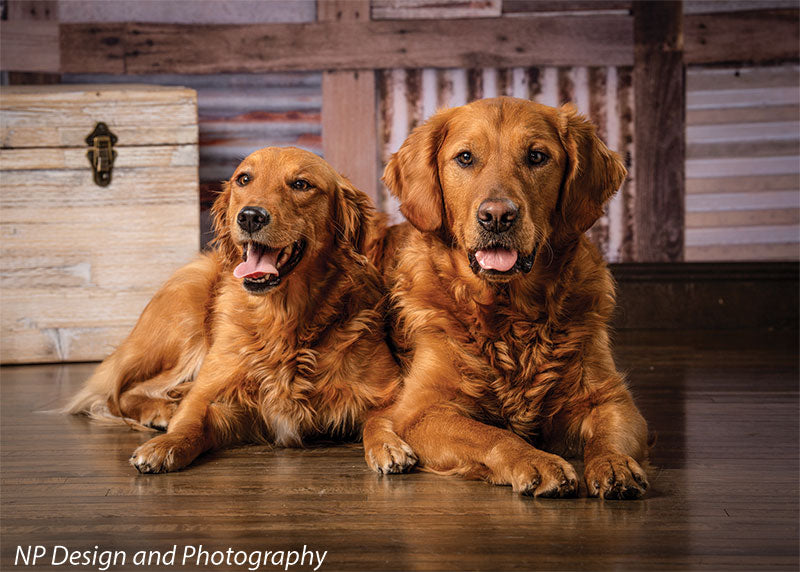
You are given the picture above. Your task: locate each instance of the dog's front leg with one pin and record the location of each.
(448, 442)
(615, 442)
(200, 423)
(384, 451)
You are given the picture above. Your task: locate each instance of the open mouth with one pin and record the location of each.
(499, 260)
(262, 267)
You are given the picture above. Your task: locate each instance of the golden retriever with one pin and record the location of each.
(504, 302)
(276, 336)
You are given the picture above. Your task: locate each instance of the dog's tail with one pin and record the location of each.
(93, 399)
(99, 398)
(99, 395)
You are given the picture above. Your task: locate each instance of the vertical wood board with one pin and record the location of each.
(659, 131)
(349, 137)
(40, 10)
(29, 46)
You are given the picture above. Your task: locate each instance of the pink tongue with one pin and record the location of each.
(257, 264)
(496, 259)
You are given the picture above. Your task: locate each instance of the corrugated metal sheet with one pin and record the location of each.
(743, 163)
(409, 96)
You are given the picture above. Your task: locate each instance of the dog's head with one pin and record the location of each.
(283, 209)
(500, 177)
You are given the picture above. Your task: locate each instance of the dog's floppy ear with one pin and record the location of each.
(353, 212)
(222, 230)
(412, 174)
(593, 175)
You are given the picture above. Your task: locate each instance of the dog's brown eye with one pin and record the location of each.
(537, 158)
(301, 185)
(243, 179)
(464, 158)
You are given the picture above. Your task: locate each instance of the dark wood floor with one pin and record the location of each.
(724, 496)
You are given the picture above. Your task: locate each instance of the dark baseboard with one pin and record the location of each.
(707, 296)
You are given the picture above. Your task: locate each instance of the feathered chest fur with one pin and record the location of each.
(297, 393)
(519, 364)
(297, 375)
(520, 371)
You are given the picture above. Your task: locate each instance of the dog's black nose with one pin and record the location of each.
(497, 215)
(252, 219)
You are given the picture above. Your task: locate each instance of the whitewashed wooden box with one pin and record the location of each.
(78, 261)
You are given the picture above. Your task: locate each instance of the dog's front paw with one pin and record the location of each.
(164, 453)
(544, 475)
(615, 477)
(390, 455)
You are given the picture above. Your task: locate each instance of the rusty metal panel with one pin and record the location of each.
(605, 94)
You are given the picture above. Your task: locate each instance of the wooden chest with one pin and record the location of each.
(79, 261)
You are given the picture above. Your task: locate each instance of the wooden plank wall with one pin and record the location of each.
(30, 43)
(479, 47)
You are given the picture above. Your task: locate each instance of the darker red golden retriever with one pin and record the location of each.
(277, 336)
(504, 303)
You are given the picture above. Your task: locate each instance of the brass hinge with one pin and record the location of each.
(102, 154)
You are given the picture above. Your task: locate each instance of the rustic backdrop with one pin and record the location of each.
(701, 97)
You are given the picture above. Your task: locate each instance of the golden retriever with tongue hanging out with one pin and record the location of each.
(276, 336)
(503, 303)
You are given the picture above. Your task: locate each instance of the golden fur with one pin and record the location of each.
(511, 369)
(216, 363)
